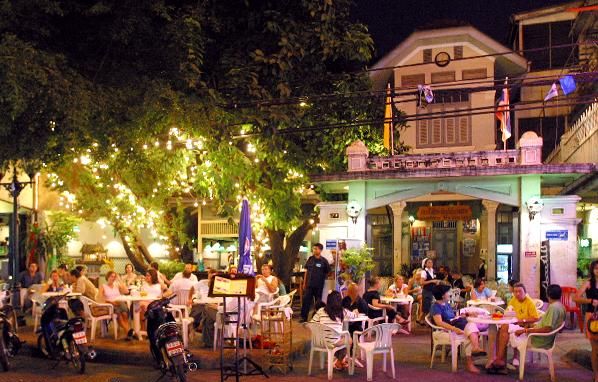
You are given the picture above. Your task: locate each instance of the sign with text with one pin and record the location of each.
(441, 213)
(331, 244)
(227, 285)
(562, 235)
(530, 253)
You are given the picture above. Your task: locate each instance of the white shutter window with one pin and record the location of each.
(436, 131)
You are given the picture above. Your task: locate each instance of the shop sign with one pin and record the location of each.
(530, 253)
(441, 213)
(330, 244)
(562, 235)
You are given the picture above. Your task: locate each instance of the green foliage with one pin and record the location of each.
(169, 268)
(60, 230)
(358, 262)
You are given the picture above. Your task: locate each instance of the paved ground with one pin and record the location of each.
(412, 353)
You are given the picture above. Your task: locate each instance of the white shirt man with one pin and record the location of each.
(188, 268)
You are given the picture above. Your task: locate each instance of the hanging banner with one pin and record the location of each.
(544, 269)
(442, 213)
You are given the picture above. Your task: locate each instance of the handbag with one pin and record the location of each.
(459, 322)
(592, 326)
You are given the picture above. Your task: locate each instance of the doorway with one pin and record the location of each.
(444, 243)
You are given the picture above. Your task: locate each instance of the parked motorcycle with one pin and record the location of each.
(166, 344)
(61, 338)
(9, 340)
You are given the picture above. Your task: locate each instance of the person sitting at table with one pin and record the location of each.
(83, 285)
(54, 284)
(266, 284)
(372, 297)
(152, 289)
(130, 277)
(480, 291)
(355, 303)
(109, 293)
(189, 269)
(459, 283)
(414, 289)
(332, 316)
(210, 311)
(443, 316)
(526, 313)
(163, 280)
(184, 284)
(27, 278)
(63, 274)
(398, 288)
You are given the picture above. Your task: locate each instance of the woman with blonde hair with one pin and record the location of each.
(414, 288)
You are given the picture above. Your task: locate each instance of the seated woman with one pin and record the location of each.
(109, 292)
(480, 291)
(355, 303)
(54, 284)
(152, 288)
(130, 276)
(266, 284)
(443, 316)
(414, 289)
(372, 297)
(332, 315)
(396, 290)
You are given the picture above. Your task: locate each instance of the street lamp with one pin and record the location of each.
(14, 188)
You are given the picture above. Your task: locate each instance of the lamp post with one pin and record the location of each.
(14, 188)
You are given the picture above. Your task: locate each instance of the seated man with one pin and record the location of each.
(28, 278)
(189, 269)
(183, 284)
(266, 284)
(83, 285)
(526, 313)
(212, 310)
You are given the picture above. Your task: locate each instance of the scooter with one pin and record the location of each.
(61, 338)
(9, 340)
(166, 344)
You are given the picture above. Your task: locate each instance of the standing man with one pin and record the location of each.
(317, 269)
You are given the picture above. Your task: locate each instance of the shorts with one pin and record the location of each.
(120, 307)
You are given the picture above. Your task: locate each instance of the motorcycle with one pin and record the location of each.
(61, 338)
(166, 344)
(9, 341)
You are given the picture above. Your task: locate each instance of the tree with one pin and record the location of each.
(208, 101)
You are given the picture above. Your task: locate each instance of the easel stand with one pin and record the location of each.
(234, 370)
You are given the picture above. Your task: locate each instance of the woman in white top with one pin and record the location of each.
(266, 284)
(332, 315)
(151, 289)
(428, 282)
(398, 288)
(109, 293)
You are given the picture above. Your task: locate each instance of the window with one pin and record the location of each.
(440, 77)
(458, 52)
(474, 74)
(443, 132)
(427, 55)
(412, 80)
(450, 96)
(549, 35)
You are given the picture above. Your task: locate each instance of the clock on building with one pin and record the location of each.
(442, 59)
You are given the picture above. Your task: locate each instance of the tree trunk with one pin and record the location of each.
(285, 255)
(137, 261)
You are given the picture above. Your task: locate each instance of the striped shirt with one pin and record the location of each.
(337, 325)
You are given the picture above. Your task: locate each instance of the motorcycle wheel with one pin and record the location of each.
(180, 372)
(42, 346)
(4, 356)
(77, 359)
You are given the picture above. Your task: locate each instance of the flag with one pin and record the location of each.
(503, 113)
(567, 84)
(424, 93)
(245, 262)
(388, 120)
(553, 92)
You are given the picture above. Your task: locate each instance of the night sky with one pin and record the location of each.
(391, 21)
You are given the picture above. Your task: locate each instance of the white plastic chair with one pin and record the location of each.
(262, 296)
(180, 311)
(373, 321)
(231, 329)
(87, 304)
(527, 346)
(279, 302)
(321, 342)
(539, 303)
(442, 337)
(382, 344)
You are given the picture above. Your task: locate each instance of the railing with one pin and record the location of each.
(496, 158)
(218, 227)
(577, 135)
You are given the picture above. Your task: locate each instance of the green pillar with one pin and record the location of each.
(530, 237)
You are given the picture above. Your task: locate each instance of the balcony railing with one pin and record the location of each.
(498, 158)
(575, 143)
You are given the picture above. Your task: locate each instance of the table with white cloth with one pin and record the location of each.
(496, 302)
(493, 324)
(396, 301)
(359, 318)
(134, 301)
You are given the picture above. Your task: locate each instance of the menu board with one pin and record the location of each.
(225, 285)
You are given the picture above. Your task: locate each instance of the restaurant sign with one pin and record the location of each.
(441, 213)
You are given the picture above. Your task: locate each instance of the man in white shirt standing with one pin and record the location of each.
(189, 269)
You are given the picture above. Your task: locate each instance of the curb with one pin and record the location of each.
(580, 356)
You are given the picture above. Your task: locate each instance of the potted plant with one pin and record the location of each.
(357, 262)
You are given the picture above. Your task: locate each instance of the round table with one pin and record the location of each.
(55, 294)
(497, 302)
(493, 324)
(360, 318)
(401, 300)
(134, 301)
